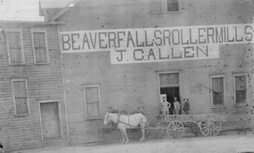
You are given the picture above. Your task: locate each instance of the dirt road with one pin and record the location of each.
(218, 144)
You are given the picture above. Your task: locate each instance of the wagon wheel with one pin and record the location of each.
(210, 125)
(175, 129)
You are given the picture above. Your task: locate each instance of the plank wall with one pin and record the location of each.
(133, 86)
(44, 83)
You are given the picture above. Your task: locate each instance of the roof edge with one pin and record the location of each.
(65, 9)
(31, 22)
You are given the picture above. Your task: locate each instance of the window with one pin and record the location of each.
(20, 96)
(92, 101)
(40, 47)
(15, 47)
(218, 91)
(163, 6)
(169, 79)
(170, 86)
(240, 89)
(172, 5)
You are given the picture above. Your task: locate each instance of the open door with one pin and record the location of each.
(169, 85)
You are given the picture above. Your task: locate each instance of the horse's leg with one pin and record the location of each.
(143, 133)
(126, 136)
(123, 137)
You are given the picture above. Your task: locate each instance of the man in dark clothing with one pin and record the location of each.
(186, 106)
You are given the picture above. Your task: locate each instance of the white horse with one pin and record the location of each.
(127, 122)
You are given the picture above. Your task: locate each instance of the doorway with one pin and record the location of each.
(50, 120)
(170, 86)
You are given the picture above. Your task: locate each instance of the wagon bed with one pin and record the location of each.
(175, 125)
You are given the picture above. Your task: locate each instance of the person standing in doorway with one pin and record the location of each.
(186, 106)
(177, 106)
(165, 105)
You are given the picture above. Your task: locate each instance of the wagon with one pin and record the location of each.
(175, 125)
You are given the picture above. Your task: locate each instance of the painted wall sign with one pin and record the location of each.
(157, 44)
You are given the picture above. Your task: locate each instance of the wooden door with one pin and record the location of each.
(50, 120)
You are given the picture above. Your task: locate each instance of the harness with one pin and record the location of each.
(118, 121)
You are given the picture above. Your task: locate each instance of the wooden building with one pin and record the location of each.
(125, 54)
(32, 98)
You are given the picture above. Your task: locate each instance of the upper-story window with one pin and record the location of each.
(40, 49)
(163, 6)
(15, 47)
(172, 5)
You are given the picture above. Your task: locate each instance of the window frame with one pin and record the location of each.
(59, 115)
(224, 91)
(172, 85)
(168, 86)
(164, 8)
(14, 99)
(241, 103)
(85, 102)
(33, 30)
(21, 43)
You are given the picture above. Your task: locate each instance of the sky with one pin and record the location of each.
(27, 10)
(54, 3)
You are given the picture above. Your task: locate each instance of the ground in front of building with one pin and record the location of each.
(226, 142)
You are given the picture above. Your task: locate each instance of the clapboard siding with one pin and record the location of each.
(44, 82)
(133, 86)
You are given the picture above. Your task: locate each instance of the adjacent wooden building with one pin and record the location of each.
(31, 98)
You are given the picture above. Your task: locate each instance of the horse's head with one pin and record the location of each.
(106, 119)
